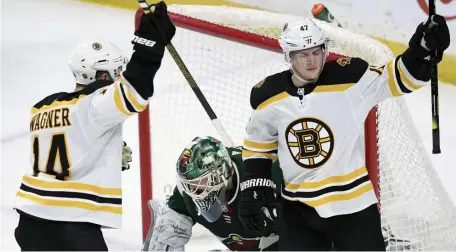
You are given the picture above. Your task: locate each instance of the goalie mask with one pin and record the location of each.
(204, 169)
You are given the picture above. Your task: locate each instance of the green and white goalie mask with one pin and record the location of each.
(204, 170)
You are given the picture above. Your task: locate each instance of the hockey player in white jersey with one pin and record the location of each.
(74, 185)
(311, 118)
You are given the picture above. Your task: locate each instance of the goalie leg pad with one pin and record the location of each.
(169, 230)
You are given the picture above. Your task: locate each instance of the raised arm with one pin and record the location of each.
(405, 73)
(130, 93)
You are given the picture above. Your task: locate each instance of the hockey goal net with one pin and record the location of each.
(228, 50)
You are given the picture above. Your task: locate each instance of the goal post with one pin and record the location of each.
(228, 50)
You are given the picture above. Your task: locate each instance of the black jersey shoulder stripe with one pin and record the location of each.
(69, 98)
(269, 89)
(336, 72)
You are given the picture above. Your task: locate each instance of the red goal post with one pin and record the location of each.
(390, 135)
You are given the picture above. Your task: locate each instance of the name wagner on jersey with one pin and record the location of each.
(48, 119)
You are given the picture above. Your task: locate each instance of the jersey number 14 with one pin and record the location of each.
(57, 152)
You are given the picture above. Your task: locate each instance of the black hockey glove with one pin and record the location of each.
(126, 156)
(258, 202)
(428, 36)
(431, 35)
(155, 31)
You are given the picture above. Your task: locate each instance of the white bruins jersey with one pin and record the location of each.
(317, 132)
(76, 160)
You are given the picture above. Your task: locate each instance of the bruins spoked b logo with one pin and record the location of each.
(310, 142)
(96, 46)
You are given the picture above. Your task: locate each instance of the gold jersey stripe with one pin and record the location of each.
(327, 181)
(70, 185)
(118, 101)
(273, 99)
(69, 203)
(138, 106)
(391, 80)
(339, 197)
(258, 145)
(334, 87)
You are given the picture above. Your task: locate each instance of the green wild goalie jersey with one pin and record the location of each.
(228, 228)
(317, 132)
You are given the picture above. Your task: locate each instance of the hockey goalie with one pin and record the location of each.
(207, 192)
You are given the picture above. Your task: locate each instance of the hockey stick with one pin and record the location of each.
(434, 93)
(192, 83)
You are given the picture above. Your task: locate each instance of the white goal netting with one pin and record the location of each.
(417, 213)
